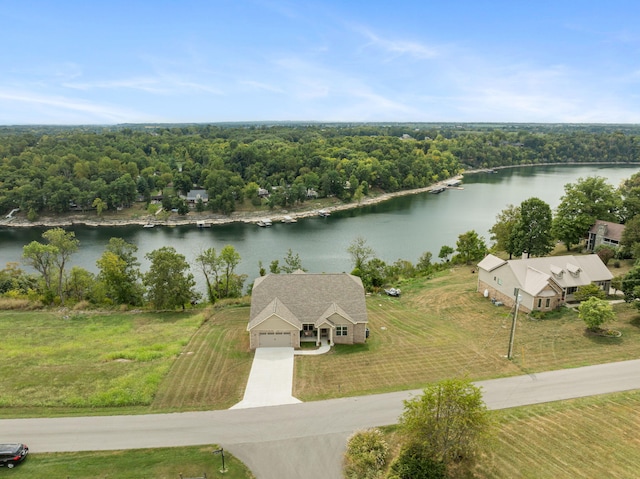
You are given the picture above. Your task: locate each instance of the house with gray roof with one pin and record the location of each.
(542, 283)
(289, 308)
(194, 195)
(604, 233)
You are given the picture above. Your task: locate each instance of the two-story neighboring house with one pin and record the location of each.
(289, 308)
(542, 283)
(604, 233)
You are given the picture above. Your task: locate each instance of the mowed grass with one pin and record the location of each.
(442, 328)
(213, 368)
(582, 438)
(160, 463)
(69, 364)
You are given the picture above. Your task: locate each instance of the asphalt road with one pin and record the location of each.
(297, 440)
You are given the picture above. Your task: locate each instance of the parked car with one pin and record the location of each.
(12, 454)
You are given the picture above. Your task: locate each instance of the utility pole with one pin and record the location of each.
(513, 325)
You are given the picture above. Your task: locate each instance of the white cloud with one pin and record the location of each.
(61, 107)
(398, 47)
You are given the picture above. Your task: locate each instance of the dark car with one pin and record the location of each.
(12, 454)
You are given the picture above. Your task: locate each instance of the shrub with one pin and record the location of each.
(366, 455)
(589, 291)
(412, 463)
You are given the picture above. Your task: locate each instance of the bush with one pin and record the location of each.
(366, 455)
(589, 291)
(412, 463)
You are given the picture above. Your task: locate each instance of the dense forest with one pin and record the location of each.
(60, 169)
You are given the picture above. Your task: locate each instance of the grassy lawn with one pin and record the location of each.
(443, 328)
(161, 463)
(582, 438)
(132, 363)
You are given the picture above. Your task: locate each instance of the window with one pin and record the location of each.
(547, 303)
(307, 327)
(539, 302)
(341, 331)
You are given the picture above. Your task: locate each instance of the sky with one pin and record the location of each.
(189, 61)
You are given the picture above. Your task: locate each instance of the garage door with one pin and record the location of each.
(275, 340)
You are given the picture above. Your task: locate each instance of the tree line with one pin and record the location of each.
(58, 170)
(530, 228)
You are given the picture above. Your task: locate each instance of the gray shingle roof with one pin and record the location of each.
(308, 297)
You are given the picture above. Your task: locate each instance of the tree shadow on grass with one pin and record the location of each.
(600, 338)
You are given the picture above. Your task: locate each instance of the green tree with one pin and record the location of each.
(210, 264)
(41, 258)
(502, 230)
(80, 284)
(532, 233)
(595, 312)
(445, 252)
(99, 205)
(470, 247)
(360, 252)
(447, 423)
(631, 236)
(229, 259)
(424, 262)
(584, 202)
(119, 272)
(169, 282)
(292, 262)
(631, 286)
(65, 244)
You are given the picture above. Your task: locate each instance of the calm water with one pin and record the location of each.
(401, 228)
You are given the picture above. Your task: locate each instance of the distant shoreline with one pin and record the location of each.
(249, 217)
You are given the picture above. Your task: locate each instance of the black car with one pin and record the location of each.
(12, 454)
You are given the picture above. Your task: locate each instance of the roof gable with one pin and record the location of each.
(491, 262)
(274, 308)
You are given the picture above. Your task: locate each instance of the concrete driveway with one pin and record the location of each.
(270, 380)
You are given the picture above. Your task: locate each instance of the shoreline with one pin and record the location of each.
(213, 219)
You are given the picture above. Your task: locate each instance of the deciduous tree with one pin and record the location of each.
(532, 232)
(595, 312)
(502, 230)
(360, 252)
(584, 202)
(169, 282)
(447, 423)
(470, 247)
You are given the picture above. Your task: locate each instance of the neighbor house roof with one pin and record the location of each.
(193, 195)
(308, 297)
(533, 274)
(613, 231)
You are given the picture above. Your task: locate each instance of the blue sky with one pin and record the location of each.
(137, 61)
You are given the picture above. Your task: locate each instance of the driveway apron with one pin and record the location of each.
(270, 380)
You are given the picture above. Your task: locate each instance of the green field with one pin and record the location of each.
(69, 363)
(443, 328)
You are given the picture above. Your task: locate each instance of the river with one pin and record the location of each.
(400, 228)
